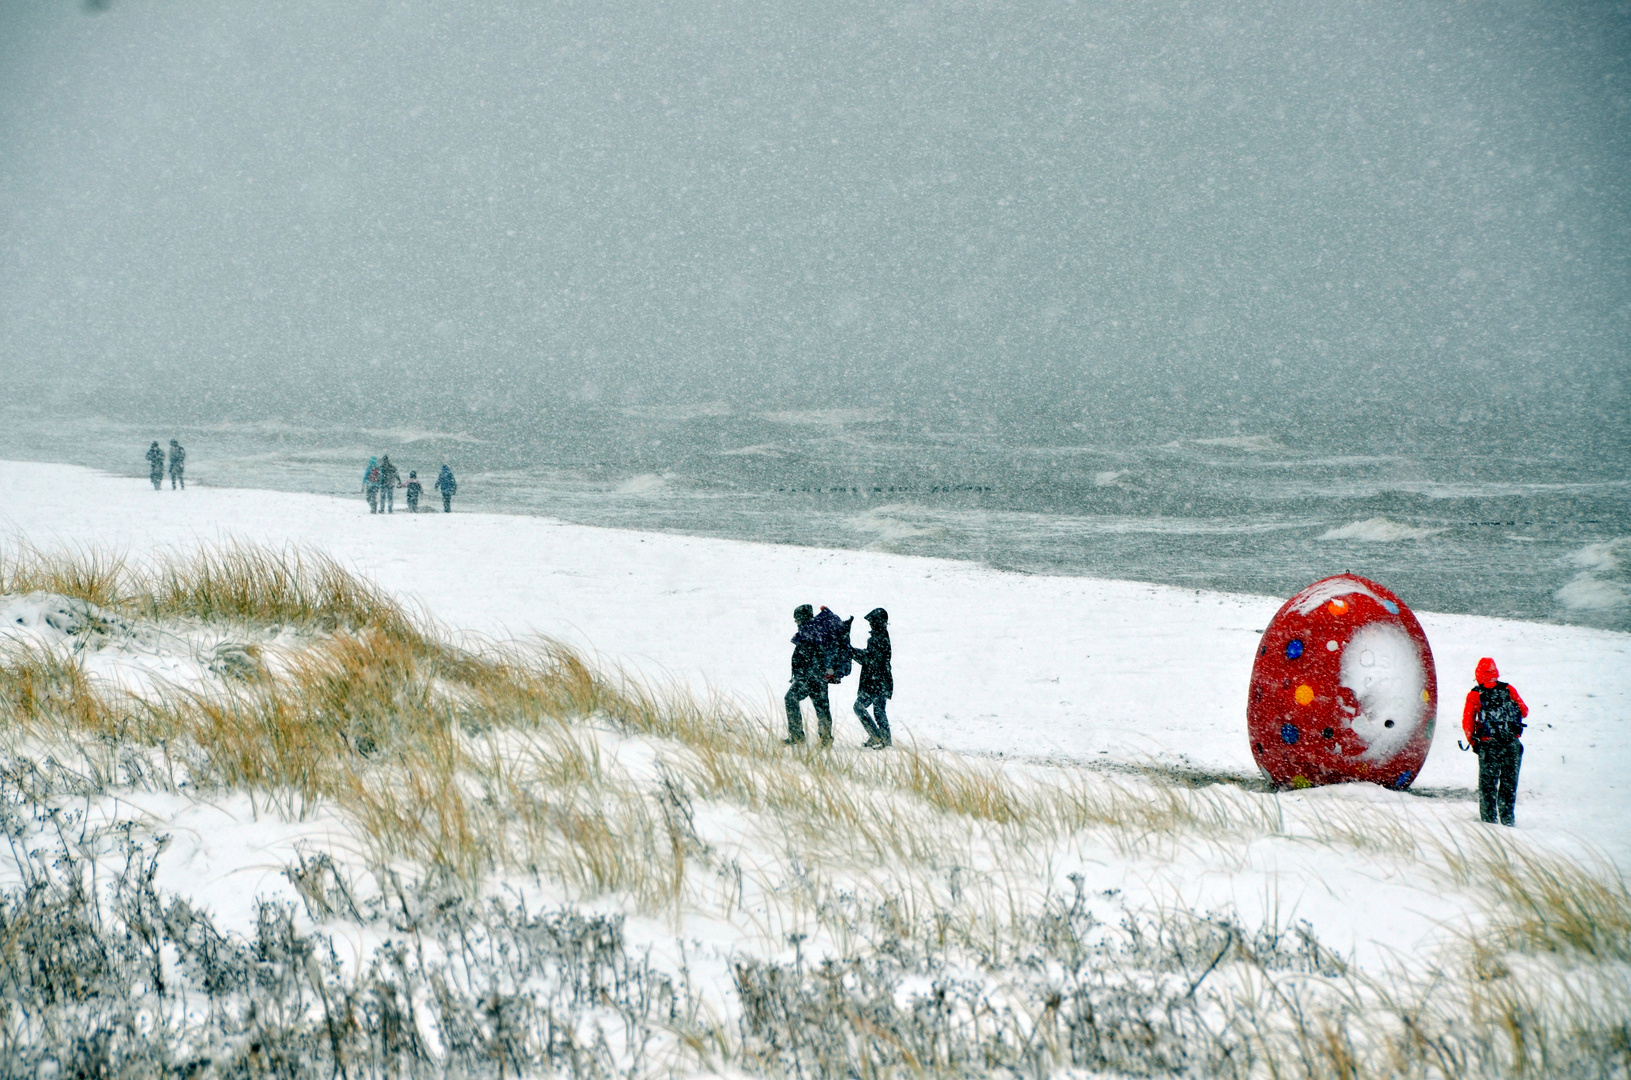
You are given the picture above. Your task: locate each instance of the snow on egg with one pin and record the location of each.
(1343, 688)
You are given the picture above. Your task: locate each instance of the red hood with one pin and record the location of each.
(1487, 672)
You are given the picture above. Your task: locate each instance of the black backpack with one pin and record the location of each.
(1499, 718)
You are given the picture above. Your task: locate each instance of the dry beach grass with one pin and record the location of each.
(916, 891)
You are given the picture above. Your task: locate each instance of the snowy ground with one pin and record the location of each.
(1075, 671)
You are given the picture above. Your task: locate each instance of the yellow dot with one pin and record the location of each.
(1304, 694)
(1298, 783)
(1338, 607)
(1425, 696)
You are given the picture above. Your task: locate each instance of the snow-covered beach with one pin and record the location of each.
(1033, 674)
(1060, 668)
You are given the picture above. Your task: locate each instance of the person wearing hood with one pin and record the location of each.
(877, 680)
(155, 465)
(389, 480)
(370, 484)
(809, 678)
(415, 489)
(178, 465)
(447, 486)
(1492, 720)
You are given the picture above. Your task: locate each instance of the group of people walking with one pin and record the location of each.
(823, 656)
(1492, 717)
(178, 465)
(381, 479)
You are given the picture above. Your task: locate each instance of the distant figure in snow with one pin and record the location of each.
(389, 480)
(877, 680)
(155, 465)
(178, 463)
(1493, 719)
(809, 679)
(447, 486)
(415, 489)
(370, 484)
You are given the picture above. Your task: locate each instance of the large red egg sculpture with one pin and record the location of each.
(1343, 688)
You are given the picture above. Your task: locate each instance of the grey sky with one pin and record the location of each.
(295, 208)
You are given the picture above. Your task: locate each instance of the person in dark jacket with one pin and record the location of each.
(155, 465)
(877, 680)
(1492, 720)
(370, 484)
(178, 463)
(809, 679)
(389, 480)
(415, 489)
(447, 486)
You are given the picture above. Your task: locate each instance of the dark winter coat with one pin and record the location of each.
(877, 680)
(388, 474)
(155, 460)
(445, 482)
(178, 457)
(414, 490)
(807, 661)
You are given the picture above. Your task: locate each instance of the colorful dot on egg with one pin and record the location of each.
(1392, 609)
(1425, 696)
(1337, 607)
(1289, 734)
(1294, 649)
(1300, 782)
(1304, 694)
(1331, 646)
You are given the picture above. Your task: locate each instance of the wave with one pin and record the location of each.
(1601, 584)
(1253, 444)
(644, 484)
(1378, 530)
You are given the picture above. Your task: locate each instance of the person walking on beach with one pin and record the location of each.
(877, 681)
(809, 678)
(370, 484)
(178, 463)
(1492, 719)
(155, 465)
(447, 486)
(415, 489)
(389, 480)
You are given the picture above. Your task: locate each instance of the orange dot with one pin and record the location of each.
(1304, 694)
(1338, 607)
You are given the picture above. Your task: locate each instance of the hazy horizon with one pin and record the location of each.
(456, 212)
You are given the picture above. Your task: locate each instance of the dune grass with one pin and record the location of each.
(466, 760)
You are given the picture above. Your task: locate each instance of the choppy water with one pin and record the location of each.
(1528, 529)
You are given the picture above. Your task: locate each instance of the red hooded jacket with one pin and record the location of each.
(1487, 674)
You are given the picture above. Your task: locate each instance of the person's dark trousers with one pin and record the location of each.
(413, 505)
(387, 498)
(1498, 782)
(877, 725)
(447, 504)
(176, 478)
(816, 691)
(158, 481)
(373, 500)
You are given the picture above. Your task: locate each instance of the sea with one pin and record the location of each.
(1525, 525)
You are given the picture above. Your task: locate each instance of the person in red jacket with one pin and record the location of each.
(1493, 719)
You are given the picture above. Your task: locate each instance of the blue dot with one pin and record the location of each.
(1392, 609)
(1404, 778)
(1290, 734)
(1294, 649)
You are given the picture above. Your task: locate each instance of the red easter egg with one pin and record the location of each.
(1343, 688)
